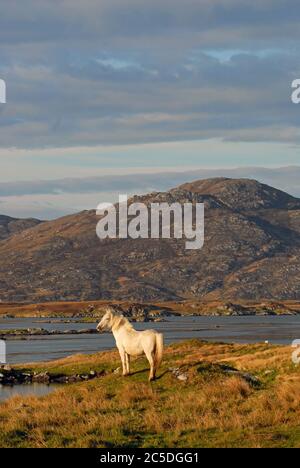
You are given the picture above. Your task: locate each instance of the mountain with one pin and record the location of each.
(57, 201)
(251, 251)
(10, 226)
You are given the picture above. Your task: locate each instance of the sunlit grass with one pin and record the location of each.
(212, 409)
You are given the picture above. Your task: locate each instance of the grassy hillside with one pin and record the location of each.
(214, 407)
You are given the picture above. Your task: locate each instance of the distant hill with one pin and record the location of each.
(10, 226)
(251, 251)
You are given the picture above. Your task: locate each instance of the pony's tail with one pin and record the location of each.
(159, 349)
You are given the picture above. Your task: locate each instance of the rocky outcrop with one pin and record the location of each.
(10, 226)
(23, 333)
(141, 313)
(9, 376)
(233, 309)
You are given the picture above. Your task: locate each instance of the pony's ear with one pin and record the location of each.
(108, 311)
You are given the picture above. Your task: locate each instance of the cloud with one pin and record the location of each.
(115, 20)
(85, 76)
(105, 72)
(54, 198)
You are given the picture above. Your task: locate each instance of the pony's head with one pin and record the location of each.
(106, 321)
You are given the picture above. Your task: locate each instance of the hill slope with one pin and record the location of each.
(10, 226)
(251, 251)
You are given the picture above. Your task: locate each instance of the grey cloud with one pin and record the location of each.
(63, 90)
(285, 178)
(103, 19)
(96, 104)
(51, 199)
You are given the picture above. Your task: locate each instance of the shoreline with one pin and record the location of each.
(137, 311)
(42, 372)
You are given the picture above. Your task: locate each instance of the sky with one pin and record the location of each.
(97, 88)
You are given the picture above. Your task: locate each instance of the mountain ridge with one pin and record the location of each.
(251, 251)
(10, 226)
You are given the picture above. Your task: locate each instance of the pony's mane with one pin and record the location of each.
(121, 321)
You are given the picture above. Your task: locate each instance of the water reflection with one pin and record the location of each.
(35, 389)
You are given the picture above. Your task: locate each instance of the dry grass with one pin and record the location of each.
(211, 409)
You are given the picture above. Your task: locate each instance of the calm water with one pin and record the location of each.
(277, 330)
(35, 389)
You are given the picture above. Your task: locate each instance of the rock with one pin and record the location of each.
(233, 309)
(84, 377)
(178, 374)
(42, 377)
(37, 331)
(74, 378)
(26, 377)
(13, 377)
(250, 379)
(61, 379)
(182, 377)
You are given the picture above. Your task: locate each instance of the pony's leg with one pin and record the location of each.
(123, 359)
(150, 357)
(127, 362)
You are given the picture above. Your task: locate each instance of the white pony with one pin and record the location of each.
(133, 343)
